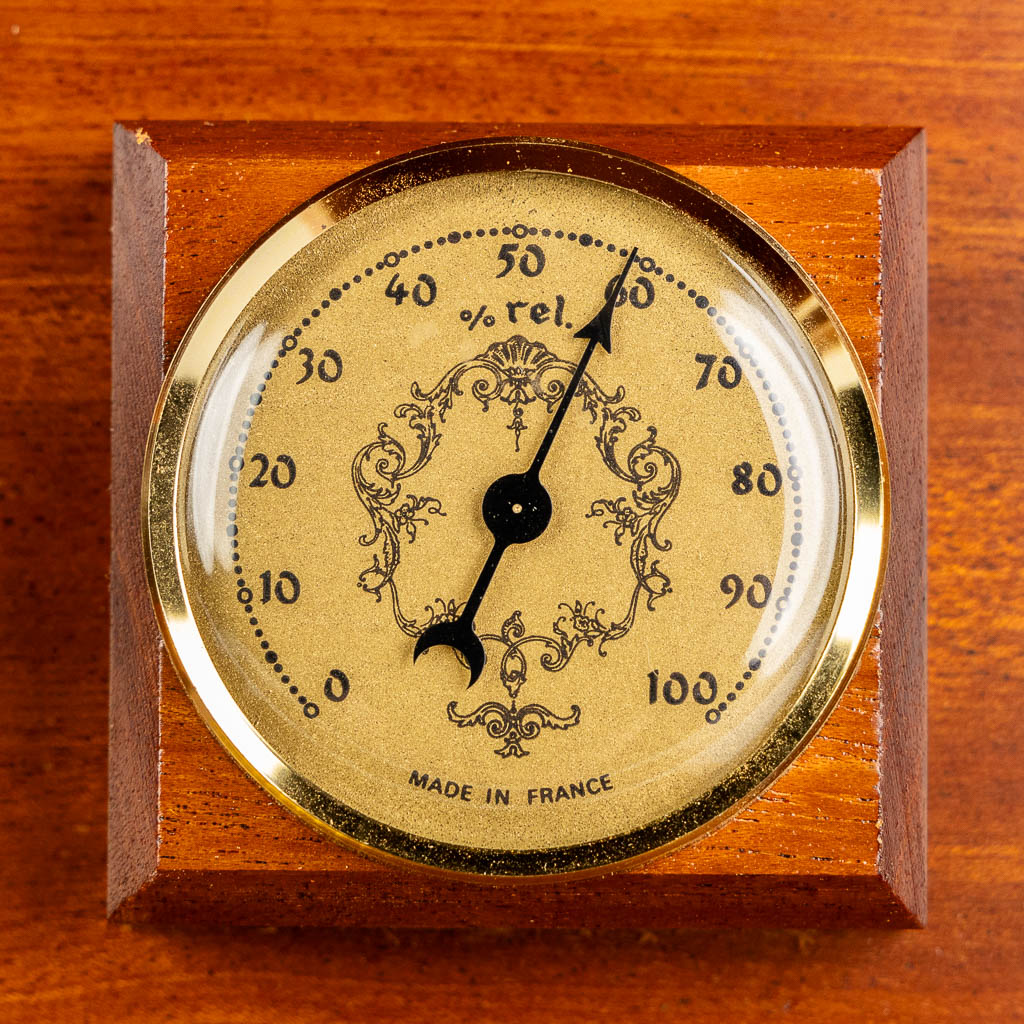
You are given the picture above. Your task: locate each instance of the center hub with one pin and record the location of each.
(517, 508)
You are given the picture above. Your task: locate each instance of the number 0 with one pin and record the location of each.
(337, 686)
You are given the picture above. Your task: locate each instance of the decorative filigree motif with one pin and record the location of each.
(513, 724)
(516, 373)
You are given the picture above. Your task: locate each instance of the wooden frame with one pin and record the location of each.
(838, 840)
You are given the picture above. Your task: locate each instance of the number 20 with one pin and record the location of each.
(277, 478)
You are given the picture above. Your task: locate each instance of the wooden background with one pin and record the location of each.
(68, 70)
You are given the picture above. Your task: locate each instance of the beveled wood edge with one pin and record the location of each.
(367, 899)
(141, 155)
(138, 237)
(866, 146)
(903, 386)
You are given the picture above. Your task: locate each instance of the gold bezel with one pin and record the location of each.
(867, 541)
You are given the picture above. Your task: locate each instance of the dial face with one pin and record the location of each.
(669, 588)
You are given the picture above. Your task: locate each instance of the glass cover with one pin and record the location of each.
(643, 651)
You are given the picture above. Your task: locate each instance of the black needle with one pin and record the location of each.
(517, 507)
(598, 332)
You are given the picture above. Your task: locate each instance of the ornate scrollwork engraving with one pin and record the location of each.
(513, 724)
(516, 373)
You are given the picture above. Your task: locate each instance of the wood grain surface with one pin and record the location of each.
(69, 70)
(839, 840)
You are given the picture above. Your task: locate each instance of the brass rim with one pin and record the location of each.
(866, 475)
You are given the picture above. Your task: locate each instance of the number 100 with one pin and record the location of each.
(676, 689)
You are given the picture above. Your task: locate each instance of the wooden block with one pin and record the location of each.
(838, 840)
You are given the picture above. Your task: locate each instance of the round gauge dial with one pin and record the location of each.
(515, 508)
